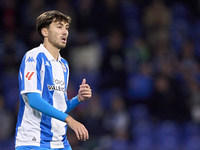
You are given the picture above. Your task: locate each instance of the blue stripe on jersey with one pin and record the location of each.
(65, 76)
(45, 125)
(38, 68)
(22, 85)
(65, 141)
(20, 115)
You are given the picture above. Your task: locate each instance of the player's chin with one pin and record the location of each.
(63, 45)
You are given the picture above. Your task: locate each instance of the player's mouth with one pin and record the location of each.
(64, 39)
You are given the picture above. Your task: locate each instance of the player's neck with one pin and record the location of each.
(52, 50)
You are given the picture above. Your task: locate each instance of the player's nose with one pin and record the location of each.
(65, 32)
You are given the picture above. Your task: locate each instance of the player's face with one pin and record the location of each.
(58, 33)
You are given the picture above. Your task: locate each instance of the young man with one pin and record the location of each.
(43, 79)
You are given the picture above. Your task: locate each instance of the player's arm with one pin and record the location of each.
(72, 103)
(80, 130)
(38, 103)
(84, 94)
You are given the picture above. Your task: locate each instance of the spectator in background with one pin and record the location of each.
(34, 8)
(34, 39)
(117, 118)
(28, 14)
(94, 113)
(140, 85)
(167, 103)
(116, 125)
(108, 16)
(10, 15)
(113, 64)
(157, 19)
(188, 61)
(66, 7)
(85, 57)
(93, 118)
(136, 51)
(194, 101)
(7, 122)
(12, 50)
(85, 16)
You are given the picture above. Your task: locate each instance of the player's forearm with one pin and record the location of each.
(79, 129)
(38, 103)
(71, 104)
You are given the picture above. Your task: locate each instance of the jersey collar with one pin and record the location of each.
(48, 55)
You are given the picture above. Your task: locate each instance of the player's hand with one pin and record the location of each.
(84, 92)
(79, 129)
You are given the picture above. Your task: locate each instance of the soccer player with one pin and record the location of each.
(43, 79)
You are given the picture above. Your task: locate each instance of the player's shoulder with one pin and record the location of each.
(34, 51)
(34, 54)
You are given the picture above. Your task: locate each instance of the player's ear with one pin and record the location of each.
(44, 32)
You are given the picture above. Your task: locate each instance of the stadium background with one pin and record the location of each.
(141, 58)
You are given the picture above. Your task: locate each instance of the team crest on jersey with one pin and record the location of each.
(64, 68)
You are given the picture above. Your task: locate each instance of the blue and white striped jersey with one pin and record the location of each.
(40, 72)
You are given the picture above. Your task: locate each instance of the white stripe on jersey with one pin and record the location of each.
(58, 126)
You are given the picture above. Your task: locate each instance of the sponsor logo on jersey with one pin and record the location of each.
(30, 59)
(56, 88)
(29, 75)
(59, 82)
(59, 85)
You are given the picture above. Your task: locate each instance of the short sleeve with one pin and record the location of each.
(29, 74)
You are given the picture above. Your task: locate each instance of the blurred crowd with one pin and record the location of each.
(140, 57)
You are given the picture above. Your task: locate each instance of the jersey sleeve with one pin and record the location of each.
(73, 103)
(37, 102)
(29, 74)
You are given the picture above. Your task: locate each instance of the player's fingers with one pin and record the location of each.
(84, 86)
(85, 135)
(87, 95)
(81, 135)
(84, 81)
(84, 91)
(77, 135)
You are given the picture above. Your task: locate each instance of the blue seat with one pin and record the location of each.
(179, 33)
(138, 112)
(168, 135)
